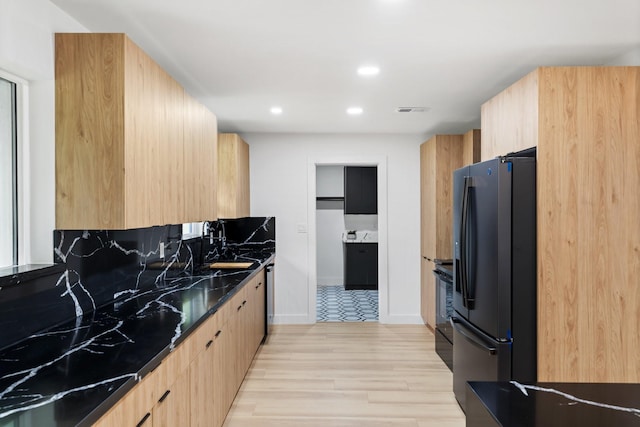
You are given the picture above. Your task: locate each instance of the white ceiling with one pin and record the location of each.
(241, 57)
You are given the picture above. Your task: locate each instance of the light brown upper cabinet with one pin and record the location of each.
(130, 151)
(233, 176)
(471, 147)
(439, 157)
(585, 122)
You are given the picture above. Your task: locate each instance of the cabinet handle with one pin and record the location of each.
(209, 343)
(164, 396)
(244, 302)
(218, 333)
(239, 307)
(144, 419)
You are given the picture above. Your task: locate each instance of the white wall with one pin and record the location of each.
(330, 181)
(279, 175)
(329, 229)
(330, 226)
(632, 57)
(27, 51)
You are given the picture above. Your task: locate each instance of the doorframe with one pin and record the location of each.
(383, 242)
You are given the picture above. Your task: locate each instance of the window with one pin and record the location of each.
(8, 175)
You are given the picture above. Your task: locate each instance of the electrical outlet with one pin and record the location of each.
(162, 250)
(301, 228)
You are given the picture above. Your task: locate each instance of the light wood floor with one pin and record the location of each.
(347, 375)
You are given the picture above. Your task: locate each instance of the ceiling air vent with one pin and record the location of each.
(411, 109)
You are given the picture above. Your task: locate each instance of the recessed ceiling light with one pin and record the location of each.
(368, 70)
(276, 110)
(354, 110)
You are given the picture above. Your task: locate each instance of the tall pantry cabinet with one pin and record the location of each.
(132, 148)
(585, 122)
(439, 157)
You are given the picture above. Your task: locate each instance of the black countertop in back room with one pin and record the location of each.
(511, 404)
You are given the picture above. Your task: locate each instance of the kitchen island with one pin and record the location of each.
(511, 404)
(75, 372)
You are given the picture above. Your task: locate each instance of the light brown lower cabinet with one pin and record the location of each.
(172, 407)
(427, 293)
(153, 402)
(224, 390)
(196, 384)
(202, 374)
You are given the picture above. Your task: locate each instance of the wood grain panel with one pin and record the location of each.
(471, 147)
(210, 190)
(429, 289)
(224, 359)
(425, 190)
(509, 120)
(174, 409)
(191, 144)
(439, 157)
(448, 159)
(133, 407)
(121, 127)
(172, 156)
(233, 176)
(89, 131)
(142, 148)
(588, 228)
(429, 190)
(244, 183)
(424, 294)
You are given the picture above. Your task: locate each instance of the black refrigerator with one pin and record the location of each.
(494, 269)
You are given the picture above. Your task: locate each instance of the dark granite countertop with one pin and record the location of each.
(72, 374)
(511, 404)
(14, 275)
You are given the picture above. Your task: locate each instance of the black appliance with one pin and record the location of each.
(443, 273)
(494, 298)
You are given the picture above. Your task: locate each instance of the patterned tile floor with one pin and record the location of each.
(334, 304)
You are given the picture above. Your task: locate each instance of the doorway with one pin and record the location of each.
(328, 300)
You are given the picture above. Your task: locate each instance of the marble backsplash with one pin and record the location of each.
(103, 266)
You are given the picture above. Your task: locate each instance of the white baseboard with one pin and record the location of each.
(291, 319)
(402, 319)
(302, 319)
(329, 281)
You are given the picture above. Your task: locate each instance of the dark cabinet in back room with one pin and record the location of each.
(360, 266)
(361, 190)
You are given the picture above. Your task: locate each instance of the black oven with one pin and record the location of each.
(444, 310)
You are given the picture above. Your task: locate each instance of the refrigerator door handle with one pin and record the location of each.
(455, 324)
(463, 242)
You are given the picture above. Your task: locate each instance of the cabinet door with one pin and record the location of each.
(173, 408)
(233, 176)
(428, 208)
(203, 378)
(429, 286)
(361, 266)
(424, 293)
(238, 327)
(224, 388)
(361, 190)
(135, 409)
